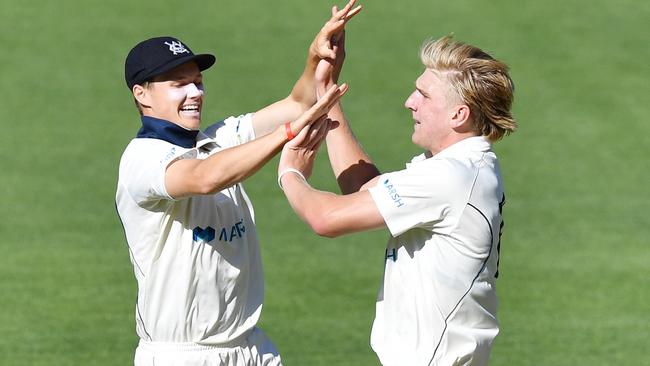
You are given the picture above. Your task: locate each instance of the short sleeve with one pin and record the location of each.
(143, 167)
(420, 197)
(232, 131)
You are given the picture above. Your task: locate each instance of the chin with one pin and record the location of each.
(414, 139)
(191, 124)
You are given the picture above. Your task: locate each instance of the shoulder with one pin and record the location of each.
(452, 170)
(151, 151)
(234, 123)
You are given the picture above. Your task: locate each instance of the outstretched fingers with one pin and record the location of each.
(302, 137)
(339, 18)
(317, 134)
(333, 29)
(322, 133)
(309, 139)
(329, 99)
(320, 108)
(347, 12)
(333, 94)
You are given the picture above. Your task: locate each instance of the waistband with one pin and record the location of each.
(241, 341)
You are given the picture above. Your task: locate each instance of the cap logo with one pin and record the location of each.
(177, 47)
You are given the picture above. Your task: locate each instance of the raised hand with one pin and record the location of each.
(320, 108)
(300, 152)
(324, 44)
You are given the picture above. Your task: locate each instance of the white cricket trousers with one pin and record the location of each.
(256, 350)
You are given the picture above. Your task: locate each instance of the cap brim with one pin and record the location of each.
(203, 61)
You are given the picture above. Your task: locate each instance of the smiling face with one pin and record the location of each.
(175, 96)
(440, 118)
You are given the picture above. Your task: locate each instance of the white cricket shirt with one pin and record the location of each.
(196, 260)
(437, 304)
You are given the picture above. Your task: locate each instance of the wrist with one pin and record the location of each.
(279, 137)
(289, 131)
(312, 55)
(293, 172)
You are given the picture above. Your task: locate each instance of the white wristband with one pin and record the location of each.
(289, 170)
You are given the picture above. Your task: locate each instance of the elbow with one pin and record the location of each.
(322, 226)
(197, 184)
(206, 189)
(322, 230)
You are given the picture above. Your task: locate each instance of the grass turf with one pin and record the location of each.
(574, 266)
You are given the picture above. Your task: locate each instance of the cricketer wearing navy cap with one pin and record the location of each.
(189, 225)
(158, 55)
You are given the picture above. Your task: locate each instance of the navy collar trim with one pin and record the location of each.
(155, 128)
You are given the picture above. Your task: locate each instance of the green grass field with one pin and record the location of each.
(575, 259)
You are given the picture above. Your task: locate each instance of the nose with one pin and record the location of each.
(410, 102)
(194, 91)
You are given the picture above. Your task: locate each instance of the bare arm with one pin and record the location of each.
(329, 214)
(303, 94)
(351, 165)
(187, 177)
(326, 213)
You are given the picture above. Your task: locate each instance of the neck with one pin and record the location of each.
(450, 140)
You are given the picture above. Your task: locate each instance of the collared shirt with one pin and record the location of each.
(196, 259)
(437, 304)
(156, 128)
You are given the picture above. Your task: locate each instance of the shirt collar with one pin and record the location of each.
(155, 128)
(204, 141)
(475, 143)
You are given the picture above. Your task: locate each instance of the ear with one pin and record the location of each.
(141, 94)
(460, 116)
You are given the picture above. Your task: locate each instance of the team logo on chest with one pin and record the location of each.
(177, 47)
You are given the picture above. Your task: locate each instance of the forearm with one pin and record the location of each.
(328, 214)
(351, 165)
(233, 165)
(305, 201)
(187, 177)
(301, 98)
(304, 90)
(269, 118)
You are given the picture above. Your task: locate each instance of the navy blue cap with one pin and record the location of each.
(156, 56)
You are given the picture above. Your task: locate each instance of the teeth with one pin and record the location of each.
(190, 108)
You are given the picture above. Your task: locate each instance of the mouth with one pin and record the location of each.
(191, 109)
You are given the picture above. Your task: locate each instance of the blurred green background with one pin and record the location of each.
(575, 260)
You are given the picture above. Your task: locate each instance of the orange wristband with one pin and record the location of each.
(287, 128)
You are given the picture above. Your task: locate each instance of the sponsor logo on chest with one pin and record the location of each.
(392, 193)
(226, 234)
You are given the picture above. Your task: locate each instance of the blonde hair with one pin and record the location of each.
(478, 79)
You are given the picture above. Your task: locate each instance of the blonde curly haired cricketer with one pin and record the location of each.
(478, 80)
